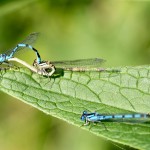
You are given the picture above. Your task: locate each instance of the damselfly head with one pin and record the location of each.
(84, 114)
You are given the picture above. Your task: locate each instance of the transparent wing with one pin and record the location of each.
(28, 40)
(80, 63)
(31, 38)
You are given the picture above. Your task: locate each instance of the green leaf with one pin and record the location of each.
(66, 97)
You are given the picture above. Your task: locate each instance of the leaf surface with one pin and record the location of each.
(66, 97)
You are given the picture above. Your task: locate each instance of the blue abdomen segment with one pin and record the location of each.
(5, 57)
(2, 58)
(128, 116)
(9, 54)
(30, 47)
(125, 116)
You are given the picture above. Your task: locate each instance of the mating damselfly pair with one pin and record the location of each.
(46, 67)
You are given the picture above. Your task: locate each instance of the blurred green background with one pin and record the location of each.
(116, 30)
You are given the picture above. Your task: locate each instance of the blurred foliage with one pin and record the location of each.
(117, 31)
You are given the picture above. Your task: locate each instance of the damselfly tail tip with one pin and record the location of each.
(148, 115)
